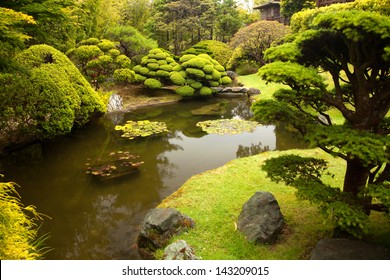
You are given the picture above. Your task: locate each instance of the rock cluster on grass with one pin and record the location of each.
(158, 227)
(260, 219)
(347, 249)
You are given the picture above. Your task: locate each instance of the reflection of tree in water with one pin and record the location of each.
(245, 151)
(238, 108)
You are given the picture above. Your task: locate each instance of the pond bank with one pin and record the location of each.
(214, 199)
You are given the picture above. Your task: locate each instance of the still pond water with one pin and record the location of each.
(100, 220)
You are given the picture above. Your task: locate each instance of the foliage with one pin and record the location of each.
(18, 226)
(49, 98)
(217, 50)
(335, 40)
(131, 42)
(12, 35)
(152, 83)
(250, 42)
(98, 60)
(227, 126)
(201, 70)
(228, 21)
(54, 21)
(136, 13)
(290, 7)
(133, 129)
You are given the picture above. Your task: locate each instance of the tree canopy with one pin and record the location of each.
(348, 45)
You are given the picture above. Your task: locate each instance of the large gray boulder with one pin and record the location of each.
(347, 249)
(159, 225)
(179, 250)
(260, 219)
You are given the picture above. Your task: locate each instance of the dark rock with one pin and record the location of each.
(347, 249)
(158, 227)
(239, 89)
(179, 250)
(232, 75)
(260, 219)
(253, 91)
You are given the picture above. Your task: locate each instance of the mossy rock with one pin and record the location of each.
(152, 83)
(185, 91)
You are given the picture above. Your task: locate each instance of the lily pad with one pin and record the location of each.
(116, 164)
(133, 129)
(227, 126)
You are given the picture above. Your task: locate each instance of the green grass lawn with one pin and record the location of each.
(214, 199)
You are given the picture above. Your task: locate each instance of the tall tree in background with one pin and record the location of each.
(290, 7)
(350, 42)
(227, 20)
(136, 13)
(54, 22)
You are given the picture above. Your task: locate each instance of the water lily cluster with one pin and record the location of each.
(133, 129)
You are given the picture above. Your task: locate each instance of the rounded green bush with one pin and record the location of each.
(196, 85)
(177, 79)
(219, 67)
(144, 61)
(162, 62)
(123, 61)
(216, 75)
(152, 73)
(89, 41)
(185, 91)
(205, 91)
(124, 76)
(177, 68)
(195, 72)
(153, 66)
(168, 68)
(139, 78)
(161, 55)
(226, 80)
(214, 83)
(208, 69)
(142, 70)
(114, 53)
(162, 73)
(186, 57)
(152, 60)
(169, 60)
(196, 62)
(106, 45)
(152, 83)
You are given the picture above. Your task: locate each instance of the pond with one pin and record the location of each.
(92, 219)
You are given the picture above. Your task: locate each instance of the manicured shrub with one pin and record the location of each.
(124, 76)
(152, 83)
(196, 85)
(205, 91)
(195, 73)
(177, 79)
(215, 49)
(226, 80)
(48, 99)
(185, 91)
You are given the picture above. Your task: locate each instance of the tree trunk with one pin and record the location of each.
(356, 177)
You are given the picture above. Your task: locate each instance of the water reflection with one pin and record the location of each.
(100, 220)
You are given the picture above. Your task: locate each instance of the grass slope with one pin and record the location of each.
(214, 199)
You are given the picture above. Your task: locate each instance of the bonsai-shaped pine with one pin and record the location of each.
(100, 60)
(349, 43)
